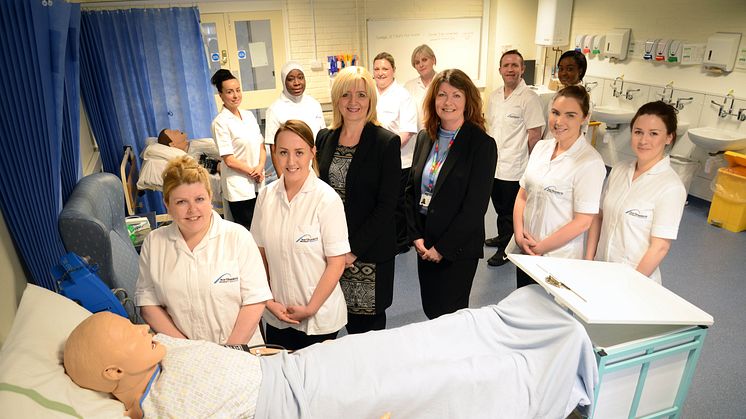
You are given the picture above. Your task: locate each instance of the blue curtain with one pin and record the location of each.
(39, 161)
(143, 70)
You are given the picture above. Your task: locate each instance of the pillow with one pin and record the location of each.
(33, 383)
(151, 174)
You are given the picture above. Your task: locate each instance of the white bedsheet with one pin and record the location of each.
(522, 358)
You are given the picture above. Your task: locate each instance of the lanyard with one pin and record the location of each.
(437, 163)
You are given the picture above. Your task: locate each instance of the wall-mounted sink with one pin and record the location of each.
(713, 140)
(611, 115)
(681, 128)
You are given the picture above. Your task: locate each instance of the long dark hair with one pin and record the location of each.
(219, 77)
(459, 80)
(662, 110)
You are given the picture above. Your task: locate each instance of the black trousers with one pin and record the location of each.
(361, 323)
(293, 340)
(522, 278)
(504, 193)
(400, 215)
(243, 212)
(445, 286)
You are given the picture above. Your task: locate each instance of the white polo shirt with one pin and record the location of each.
(297, 236)
(307, 110)
(418, 90)
(241, 138)
(509, 121)
(397, 113)
(202, 290)
(635, 211)
(556, 189)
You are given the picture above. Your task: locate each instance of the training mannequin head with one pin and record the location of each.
(107, 353)
(174, 138)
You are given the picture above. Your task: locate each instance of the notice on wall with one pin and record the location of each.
(258, 51)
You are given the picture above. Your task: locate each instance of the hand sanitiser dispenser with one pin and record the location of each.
(721, 51)
(661, 49)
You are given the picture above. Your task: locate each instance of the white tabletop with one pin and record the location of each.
(614, 293)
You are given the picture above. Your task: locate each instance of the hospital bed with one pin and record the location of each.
(647, 340)
(599, 331)
(155, 157)
(478, 376)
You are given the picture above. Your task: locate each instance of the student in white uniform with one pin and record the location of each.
(561, 187)
(397, 113)
(201, 277)
(293, 103)
(241, 147)
(571, 69)
(643, 199)
(423, 60)
(300, 229)
(515, 122)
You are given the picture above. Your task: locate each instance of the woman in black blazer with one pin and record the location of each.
(362, 162)
(448, 192)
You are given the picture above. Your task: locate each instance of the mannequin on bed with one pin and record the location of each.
(109, 354)
(174, 138)
(524, 357)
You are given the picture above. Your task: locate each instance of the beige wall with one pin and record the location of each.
(691, 20)
(12, 280)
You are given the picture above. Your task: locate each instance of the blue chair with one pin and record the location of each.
(92, 224)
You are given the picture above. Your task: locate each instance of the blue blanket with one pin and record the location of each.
(522, 358)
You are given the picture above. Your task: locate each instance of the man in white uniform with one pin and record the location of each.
(515, 122)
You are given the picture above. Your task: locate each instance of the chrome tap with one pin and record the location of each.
(721, 107)
(669, 88)
(680, 102)
(628, 95)
(590, 85)
(741, 114)
(618, 92)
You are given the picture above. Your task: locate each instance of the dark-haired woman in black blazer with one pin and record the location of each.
(362, 162)
(448, 192)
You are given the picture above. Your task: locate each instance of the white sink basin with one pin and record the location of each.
(714, 139)
(681, 128)
(612, 116)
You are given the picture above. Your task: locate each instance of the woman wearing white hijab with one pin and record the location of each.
(292, 104)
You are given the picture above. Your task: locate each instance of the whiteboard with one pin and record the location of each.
(457, 43)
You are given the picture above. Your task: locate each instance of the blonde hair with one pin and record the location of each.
(302, 130)
(184, 170)
(343, 82)
(423, 50)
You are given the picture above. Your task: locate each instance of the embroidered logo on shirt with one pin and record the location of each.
(553, 190)
(307, 238)
(225, 278)
(636, 213)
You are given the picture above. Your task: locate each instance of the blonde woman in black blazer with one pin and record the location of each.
(448, 192)
(362, 162)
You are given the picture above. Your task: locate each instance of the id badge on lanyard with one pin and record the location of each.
(425, 199)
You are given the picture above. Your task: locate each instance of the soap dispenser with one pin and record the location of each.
(661, 49)
(674, 51)
(649, 49)
(598, 44)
